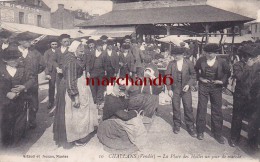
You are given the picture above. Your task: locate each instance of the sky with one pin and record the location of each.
(93, 7)
(244, 7)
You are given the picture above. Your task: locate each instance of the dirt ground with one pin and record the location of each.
(163, 144)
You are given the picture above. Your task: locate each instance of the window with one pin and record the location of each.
(37, 3)
(21, 17)
(39, 20)
(255, 28)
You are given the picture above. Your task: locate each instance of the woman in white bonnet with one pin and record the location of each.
(76, 115)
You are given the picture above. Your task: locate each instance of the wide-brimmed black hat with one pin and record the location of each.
(126, 46)
(25, 36)
(62, 36)
(103, 37)
(5, 34)
(110, 42)
(99, 42)
(178, 51)
(212, 47)
(91, 41)
(11, 53)
(256, 51)
(246, 50)
(53, 40)
(127, 37)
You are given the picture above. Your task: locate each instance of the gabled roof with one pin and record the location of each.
(31, 3)
(178, 14)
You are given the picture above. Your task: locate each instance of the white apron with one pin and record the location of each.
(80, 121)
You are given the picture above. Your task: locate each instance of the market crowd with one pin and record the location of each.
(121, 115)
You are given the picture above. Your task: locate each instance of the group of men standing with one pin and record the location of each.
(212, 73)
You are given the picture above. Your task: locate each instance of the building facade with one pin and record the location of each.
(32, 12)
(66, 19)
(255, 27)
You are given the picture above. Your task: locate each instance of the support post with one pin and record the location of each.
(168, 28)
(233, 40)
(207, 33)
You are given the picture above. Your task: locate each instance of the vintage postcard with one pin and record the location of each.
(129, 80)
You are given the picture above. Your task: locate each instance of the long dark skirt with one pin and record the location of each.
(13, 123)
(115, 139)
(59, 127)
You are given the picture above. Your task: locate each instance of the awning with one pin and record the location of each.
(113, 31)
(76, 33)
(176, 40)
(19, 28)
(180, 15)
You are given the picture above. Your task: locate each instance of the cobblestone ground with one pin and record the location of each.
(163, 143)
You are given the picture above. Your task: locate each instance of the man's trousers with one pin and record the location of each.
(214, 94)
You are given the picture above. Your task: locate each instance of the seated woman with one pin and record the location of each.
(113, 131)
(14, 82)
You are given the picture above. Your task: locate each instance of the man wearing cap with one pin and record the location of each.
(126, 61)
(91, 45)
(96, 68)
(247, 96)
(15, 81)
(4, 42)
(61, 52)
(31, 59)
(104, 40)
(112, 60)
(182, 70)
(240, 98)
(51, 58)
(139, 57)
(212, 73)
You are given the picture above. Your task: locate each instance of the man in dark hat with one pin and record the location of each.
(91, 45)
(253, 84)
(212, 74)
(61, 52)
(4, 41)
(126, 61)
(182, 70)
(104, 40)
(138, 56)
(240, 96)
(31, 59)
(96, 69)
(51, 58)
(4, 35)
(127, 39)
(111, 59)
(15, 81)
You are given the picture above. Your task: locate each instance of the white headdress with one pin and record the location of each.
(74, 45)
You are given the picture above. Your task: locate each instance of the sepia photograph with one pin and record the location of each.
(129, 80)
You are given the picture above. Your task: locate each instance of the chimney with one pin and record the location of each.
(60, 6)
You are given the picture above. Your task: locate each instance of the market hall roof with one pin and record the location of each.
(165, 15)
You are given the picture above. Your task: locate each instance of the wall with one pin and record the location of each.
(62, 19)
(10, 13)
